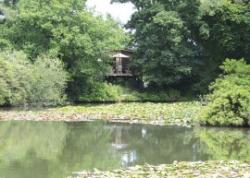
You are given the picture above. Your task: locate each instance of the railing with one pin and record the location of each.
(120, 73)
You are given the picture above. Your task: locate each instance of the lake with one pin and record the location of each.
(58, 149)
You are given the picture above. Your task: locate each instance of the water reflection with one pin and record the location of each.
(225, 144)
(52, 149)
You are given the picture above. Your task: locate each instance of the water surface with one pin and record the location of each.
(57, 149)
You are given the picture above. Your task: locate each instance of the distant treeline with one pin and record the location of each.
(179, 46)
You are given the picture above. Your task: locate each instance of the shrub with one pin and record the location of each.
(229, 101)
(13, 78)
(48, 81)
(23, 82)
(160, 96)
(101, 92)
(104, 92)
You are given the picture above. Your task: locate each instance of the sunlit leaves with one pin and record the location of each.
(24, 82)
(68, 31)
(228, 103)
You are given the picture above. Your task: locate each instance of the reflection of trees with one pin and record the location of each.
(88, 146)
(27, 148)
(225, 144)
(55, 150)
(50, 149)
(45, 139)
(156, 145)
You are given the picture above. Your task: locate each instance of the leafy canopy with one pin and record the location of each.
(67, 30)
(230, 98)
(183, 42)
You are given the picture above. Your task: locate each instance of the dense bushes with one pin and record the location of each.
(104, 92)
(23, 82)
(229, 102)
(101, 92)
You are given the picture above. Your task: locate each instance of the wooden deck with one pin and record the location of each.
(120, 75)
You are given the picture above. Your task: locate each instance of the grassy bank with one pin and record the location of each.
(182, 113)
(220, 169)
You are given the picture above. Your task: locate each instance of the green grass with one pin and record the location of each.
(182, 113)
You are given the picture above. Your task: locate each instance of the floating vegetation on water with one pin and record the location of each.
(180, 114)
(218, 169)
(183, 113)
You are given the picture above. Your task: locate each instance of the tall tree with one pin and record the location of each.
(185, 41)
(66, 29)
(165, 48)
(223, 31)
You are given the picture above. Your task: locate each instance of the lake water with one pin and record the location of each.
(57, 149)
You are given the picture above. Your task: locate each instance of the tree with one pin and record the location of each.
(223, 31)
(229, 101)
(185, 42)
(65, 29)
(165, 49)
(24, 82)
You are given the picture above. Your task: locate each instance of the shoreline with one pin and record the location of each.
(201, 169)
(164, 114)
(77, 117)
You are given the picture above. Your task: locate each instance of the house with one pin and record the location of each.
(121, 64)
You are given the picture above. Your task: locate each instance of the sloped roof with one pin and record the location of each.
(120, 55)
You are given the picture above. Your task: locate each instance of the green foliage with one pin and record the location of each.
(23, 82)
(181, 113)
(67, 30)
(179, 44)
(164, 52)
(178, 169)
(165, 48)
(14, 77)
(223, 32)
(226, 144)
(106, 92)
(48, 81)
(182, 43)
(102, 92)
(161, 96)
(230, 98)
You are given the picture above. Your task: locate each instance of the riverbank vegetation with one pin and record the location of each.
(221, 169)
(229, 101)
(40, 82)
(67, 31)
(182, 113)
(107, 92)
(190, 66)
(61, 53)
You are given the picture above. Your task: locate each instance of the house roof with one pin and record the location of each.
(120, 55)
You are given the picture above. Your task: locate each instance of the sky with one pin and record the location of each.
(120, 12)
